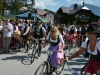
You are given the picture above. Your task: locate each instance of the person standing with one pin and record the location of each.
(7, 31)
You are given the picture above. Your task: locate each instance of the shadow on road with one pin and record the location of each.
(24, 59)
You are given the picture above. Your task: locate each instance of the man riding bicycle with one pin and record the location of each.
(38, 32)
(26, 34)
(71, 35)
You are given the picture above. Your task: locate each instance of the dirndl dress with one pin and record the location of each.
(56, 57)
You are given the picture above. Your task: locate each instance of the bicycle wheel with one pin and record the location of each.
(43, 69)
(59, 69)
(33, 56)
(26, 46)
(30, 44)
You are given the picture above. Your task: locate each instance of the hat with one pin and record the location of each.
(93, 28)
(16, 34)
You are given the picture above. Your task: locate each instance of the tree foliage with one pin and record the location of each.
(11, 5)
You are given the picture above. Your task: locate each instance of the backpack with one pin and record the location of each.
(87, 55)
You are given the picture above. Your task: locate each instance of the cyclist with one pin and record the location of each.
(93, 49)
(26, 34)
(83, 33)
(71, 35)
(38, 32)
(57, 43)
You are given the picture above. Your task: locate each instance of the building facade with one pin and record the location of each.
(77, 15)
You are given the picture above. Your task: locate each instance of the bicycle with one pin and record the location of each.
(46, 66)
(73, 72)
(23, 44)
(35, 50)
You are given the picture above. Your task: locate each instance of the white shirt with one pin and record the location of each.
(60, 37)
(0, 27)
(84, 45)
(6, 33)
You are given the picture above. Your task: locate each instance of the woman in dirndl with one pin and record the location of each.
(93, 49)
(57, 44)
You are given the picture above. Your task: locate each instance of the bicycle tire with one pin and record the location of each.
(61, 67)
(26, 47)
(33, 56)
(37, 51)
(46, 70)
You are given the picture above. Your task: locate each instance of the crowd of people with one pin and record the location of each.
(13, 31)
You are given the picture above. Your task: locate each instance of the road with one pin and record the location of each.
(19, 63)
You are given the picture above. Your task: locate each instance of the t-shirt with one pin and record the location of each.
(60, 38)
(84, 45)
(6, 33)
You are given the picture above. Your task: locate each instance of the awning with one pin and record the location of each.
(41, 19)
(26, 15)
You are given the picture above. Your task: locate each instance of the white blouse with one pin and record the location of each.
(0, 27)
(84, 45)
(60, 37)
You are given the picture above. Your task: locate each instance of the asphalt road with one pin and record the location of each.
(19, 63)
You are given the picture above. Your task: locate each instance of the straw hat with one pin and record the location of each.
(16, 34)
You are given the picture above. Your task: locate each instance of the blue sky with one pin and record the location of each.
(55, 4)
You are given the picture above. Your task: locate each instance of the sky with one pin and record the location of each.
(54, 5)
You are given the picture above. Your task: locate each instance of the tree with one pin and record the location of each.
(11, 5)
(46, 9)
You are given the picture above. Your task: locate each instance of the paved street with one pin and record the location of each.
(19, 63)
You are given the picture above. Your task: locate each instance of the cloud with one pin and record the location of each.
(79, 1)
(44, 3)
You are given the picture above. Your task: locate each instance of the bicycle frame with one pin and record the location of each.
(73, 72)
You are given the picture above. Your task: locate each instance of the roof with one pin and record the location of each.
(41, 12)
(65, 9)
(94, 9)
(79, 8)
(50, 12)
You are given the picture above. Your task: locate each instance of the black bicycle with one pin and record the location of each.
(70, 45)
(46, 69)
(72, 71)
(35, 51)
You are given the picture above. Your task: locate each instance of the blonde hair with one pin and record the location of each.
(56, 32)
(1, 22)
